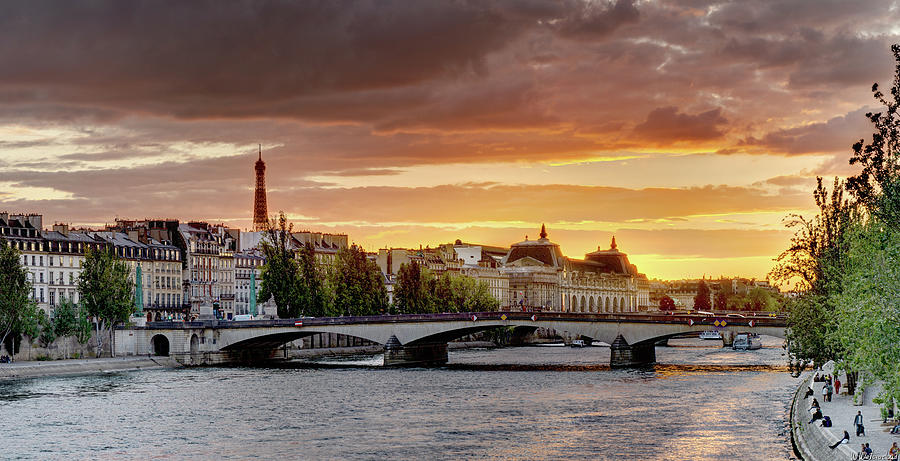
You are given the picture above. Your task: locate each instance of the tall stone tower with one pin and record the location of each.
(260, 213)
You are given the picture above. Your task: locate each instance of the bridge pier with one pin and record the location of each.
(414, 355)
(622, 354)
(727, 338)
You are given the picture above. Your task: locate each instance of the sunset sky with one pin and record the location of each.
(687, 129)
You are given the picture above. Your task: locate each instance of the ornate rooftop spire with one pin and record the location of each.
(543, 232)
(612, 245)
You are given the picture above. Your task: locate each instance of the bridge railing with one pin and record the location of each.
(633, 317)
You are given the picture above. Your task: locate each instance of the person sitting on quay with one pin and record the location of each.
(845, 439)
(896, 428)
(862, 452)
(816, 414)
(894, 452)
(809, 392)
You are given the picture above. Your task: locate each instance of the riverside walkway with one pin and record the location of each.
(842, 411)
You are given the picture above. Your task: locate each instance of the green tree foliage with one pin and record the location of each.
(463, 294)
(106, 287)
(845, 259)
(412, 293)
(357, 284)
(48, 333)
(701, 299)
(82, 331)
(877, 187)
(666, 304)
(281, 272)
(18, 314)
(867, 319)
(65, 318)
(311, 293)
(817, 244)
(418, 291)
(813, 263)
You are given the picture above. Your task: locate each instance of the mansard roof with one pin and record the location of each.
(542, 250)
(611, 260)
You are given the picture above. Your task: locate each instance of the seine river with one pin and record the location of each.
(540, 402)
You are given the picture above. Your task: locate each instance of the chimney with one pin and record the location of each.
(62, 228)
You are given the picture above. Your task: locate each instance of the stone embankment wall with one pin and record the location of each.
(812, 440)
(61, 348)
(83, 367)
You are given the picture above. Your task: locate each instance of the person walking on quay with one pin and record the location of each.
(845, 439)
(825, 392)
(837, 386)
(858, 421)
(894, 452)
(830, 389)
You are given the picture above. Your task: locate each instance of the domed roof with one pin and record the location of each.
(612, 259)
(542, 250)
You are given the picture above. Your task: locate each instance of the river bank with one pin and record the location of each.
(72, 367)
(813, 441)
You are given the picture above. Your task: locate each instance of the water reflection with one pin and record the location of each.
(516, 403)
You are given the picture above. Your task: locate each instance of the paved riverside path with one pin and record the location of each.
(842, 411)
(33, 369)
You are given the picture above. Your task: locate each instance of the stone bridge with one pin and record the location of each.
(421, 339)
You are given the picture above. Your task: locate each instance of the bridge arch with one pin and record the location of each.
(592, 304)
(159, 344)
(606, 308)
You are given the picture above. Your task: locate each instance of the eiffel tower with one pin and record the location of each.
(260, 213)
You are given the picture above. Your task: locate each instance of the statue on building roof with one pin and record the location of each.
(543, 232)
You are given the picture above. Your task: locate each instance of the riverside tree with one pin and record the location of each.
(877, 186)
(844, 260)
(311, 283)
(106, 290)
(357, 284)
(18, 313)
(411, 292)
(701, 299)
(812, 263)
(281, 272)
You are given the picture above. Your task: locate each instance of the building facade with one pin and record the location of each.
(541, 278)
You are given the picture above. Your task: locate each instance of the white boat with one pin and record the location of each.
(710, 334)
(577, 343)
(746, 342)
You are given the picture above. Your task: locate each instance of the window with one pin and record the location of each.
(41, 259)
(51, 261)
(42, 290)
(32, 260)
(52, 298)
(51, 277)
(42, 281)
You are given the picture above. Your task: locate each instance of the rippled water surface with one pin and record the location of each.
(541, 402)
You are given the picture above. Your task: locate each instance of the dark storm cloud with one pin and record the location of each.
(233, 59)
(667, 124)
